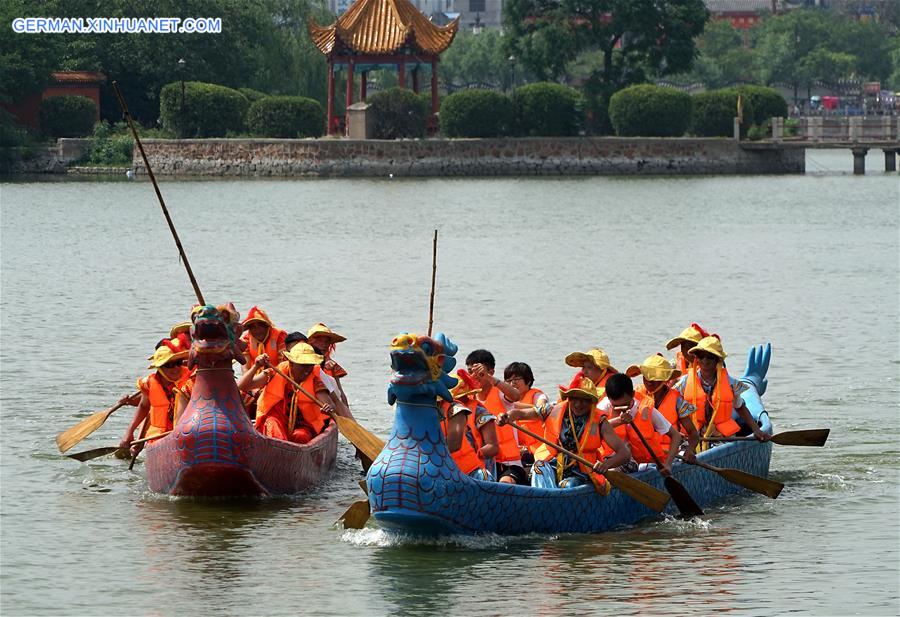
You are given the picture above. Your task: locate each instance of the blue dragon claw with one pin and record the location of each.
(757, 366)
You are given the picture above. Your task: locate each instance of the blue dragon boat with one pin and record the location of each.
(416, 488)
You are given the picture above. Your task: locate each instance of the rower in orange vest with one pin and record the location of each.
(159, 393)
(594, 364)
(575, 424)
(627, 412)
(715, 394)
(469, 429)
(261, 335)
(657, 374)
(497, 396)
(323, 339)
(520, 377)
(686, 341)
(282, 410)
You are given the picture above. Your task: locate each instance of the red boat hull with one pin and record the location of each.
(214, 451)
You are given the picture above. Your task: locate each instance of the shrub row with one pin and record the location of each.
(539, 109)
(67, 116)
(715, 110)
(210, 110)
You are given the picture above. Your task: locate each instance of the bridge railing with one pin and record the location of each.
(845, 129)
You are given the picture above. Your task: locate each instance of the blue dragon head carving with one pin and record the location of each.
(421, 365)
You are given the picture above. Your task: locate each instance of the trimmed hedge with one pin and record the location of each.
(68, 116)
(398, 113)
(650, 111)
(252, 95)
(548, 109)
(477, 113)
(209, 110)
(714, 113)
(761, 104)
(286, 116)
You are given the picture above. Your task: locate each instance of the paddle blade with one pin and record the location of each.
(368, 444)
(92, 454)
(642, 492)
(758, 484)
(686, 505)
(356, 515)
(810, 437)
(72, 436)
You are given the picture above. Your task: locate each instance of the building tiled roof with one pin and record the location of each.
(382, 27)
(739, 6)
(78, 77)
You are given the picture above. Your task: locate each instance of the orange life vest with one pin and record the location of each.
(644, 423)
(535, 426)
(667, 408)
(273, 345)
(162, 407)
(590, 445)
(721, 403)
(506, 436)
(271, 401)
(466, 457)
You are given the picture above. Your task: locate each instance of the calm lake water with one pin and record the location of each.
(529, 268)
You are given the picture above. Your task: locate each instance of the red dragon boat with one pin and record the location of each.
(214, 450)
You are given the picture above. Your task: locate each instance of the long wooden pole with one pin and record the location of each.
(162, 204)
(433, 279)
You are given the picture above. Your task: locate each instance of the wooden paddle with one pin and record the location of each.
(683, 500)
(810, 437)
(76, 434)
(368, 444)
(639, 491)
(98, 452)
(758, 484)
(356, 515)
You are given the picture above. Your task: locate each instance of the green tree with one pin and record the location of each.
(631, 36)
(26, 60)
(477, 58)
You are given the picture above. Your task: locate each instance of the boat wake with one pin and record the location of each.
(384, 538)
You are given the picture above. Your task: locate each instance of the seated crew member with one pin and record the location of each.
(714, 393)
(470, 430)
(498, 397)
(594, 365)
(520, 377)
(159, 392)
(686, 341)
(657, 374)
(261, 335)
(575, 424)
(283, 411)
(324, 340)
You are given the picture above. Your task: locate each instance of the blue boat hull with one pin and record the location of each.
(416, 488)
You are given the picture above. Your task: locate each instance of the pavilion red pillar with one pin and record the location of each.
(401, 74)
(415, 73)
(330, 97)
(349, 100)
(363, 79)
(434, 86)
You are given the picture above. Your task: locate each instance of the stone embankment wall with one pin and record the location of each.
(464, 157)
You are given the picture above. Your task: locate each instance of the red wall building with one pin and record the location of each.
(62, 83)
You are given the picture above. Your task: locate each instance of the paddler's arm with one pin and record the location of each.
(143, 411)
(674, 445)
(490, 449)
(325, 400)
(254, 378)
(622, 450)
(747, 419)
(456, 426)
(693, 438)
(524, 411)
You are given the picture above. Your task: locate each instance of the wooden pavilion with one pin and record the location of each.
(373, 33)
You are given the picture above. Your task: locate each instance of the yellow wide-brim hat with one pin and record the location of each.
(178, 328)
(654, 368)
(257, 314)
(691, 334)
(595, 356)
(710, 344)
(321, 329)
(584, 389)
(164, 354)
(303, 353)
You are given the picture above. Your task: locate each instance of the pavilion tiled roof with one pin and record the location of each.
(78, 77)
(382, 27)
(739, 6)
